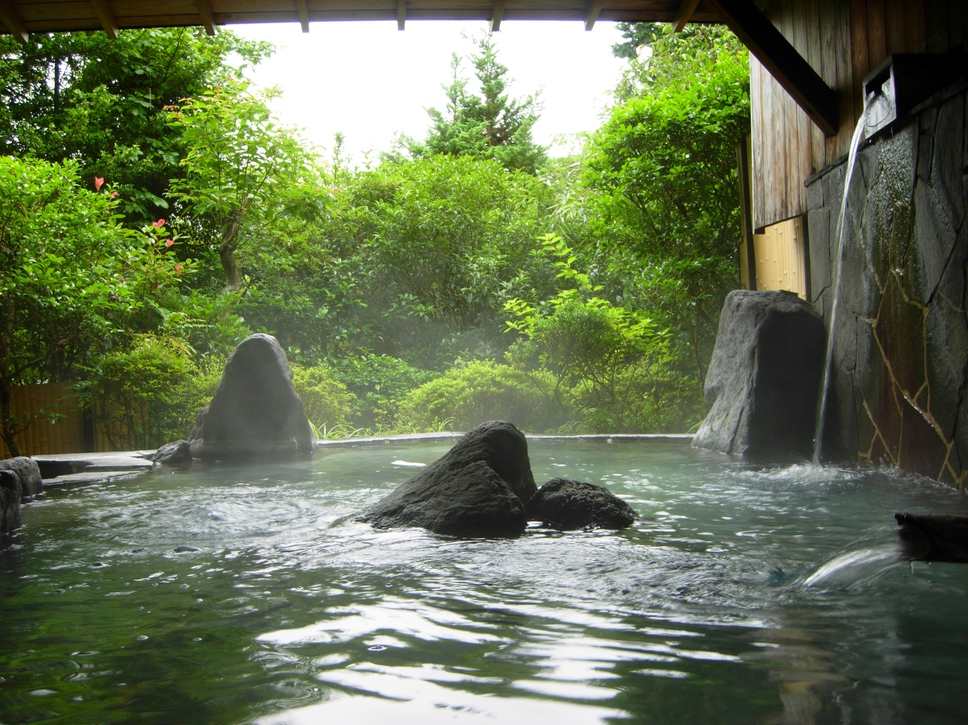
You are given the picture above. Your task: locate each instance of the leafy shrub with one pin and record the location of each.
(379, 383)
(479, 391)
(148, 393)
(327, 402)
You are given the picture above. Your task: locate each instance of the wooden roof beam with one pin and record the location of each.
(207, 15)
(401, 14)
(684, 14)
(106, 17)
(497, 15)
(593, 12)
(782, 60)
(303, 9)
(11, 18)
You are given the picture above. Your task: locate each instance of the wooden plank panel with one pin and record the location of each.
(936, 26)
(859, 62)
(914, 27)
(42, 437)
(957, 24)
(815, 145)
(876, 32)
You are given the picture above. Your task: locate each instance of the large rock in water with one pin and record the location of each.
(255, 412)
(568, 505)
(764, 379)
(28, 472)
(477, 489)
(10, 492)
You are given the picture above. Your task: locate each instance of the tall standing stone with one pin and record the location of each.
(764, 380)
(255, 412)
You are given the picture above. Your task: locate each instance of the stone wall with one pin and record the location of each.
(900, 356)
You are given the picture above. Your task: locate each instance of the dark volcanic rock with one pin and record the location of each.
(477, 489)
(764, 379)
(10, 492)
(568, 505)
(177, 454)
(933, 537)
(255, 412)
(27, 470)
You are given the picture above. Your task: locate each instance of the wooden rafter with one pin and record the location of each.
(497, 15)
(106, 17)
(684, 14)
(11, 18)
(401, 14)
(782, 60)
(593, 12)
(207, 15)
(303, 9)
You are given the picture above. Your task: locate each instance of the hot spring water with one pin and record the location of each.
(742, 595)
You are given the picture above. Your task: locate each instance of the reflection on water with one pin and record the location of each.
(742, 595)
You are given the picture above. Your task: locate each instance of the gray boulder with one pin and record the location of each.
(255, 412)
(10, 493)
(568, 505)
(177, 454)
(764, 379)
(477, 489)
(28, 472)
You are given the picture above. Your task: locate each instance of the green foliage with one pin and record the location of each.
(327, 402)
(486, 126)
(242, 170)
(148, 393)
(418, 259)
(663, 181)
(102, 102)
(378, 383)
(478, 391)
(71, 277)
(634, 36)
(613, 366)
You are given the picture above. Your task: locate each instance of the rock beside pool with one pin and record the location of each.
(477, 489)
(28, 472)
(255, 412)
(764, 380)
(177, 454)
(10, 493)
(933, 537)
(569, 505)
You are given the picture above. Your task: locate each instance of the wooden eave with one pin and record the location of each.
(23, 17)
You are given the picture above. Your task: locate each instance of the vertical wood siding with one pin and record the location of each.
(843, 40)
(42, 437)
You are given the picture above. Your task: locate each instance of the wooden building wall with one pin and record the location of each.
(843, 40)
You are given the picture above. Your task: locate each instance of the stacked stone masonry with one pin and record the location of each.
(900, 358)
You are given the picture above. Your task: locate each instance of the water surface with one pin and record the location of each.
(742, 595)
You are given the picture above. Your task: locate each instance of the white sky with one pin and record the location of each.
(370, 81)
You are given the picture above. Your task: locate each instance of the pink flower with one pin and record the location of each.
(158, 224)
(178, 268)
(169, 242)
(98, 182)
(114, 195)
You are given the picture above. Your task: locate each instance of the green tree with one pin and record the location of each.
(634, 36)
(243, 172)
(490, 125)
(663, 181)
(103, 102)
(71, 278)
(423, 254)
